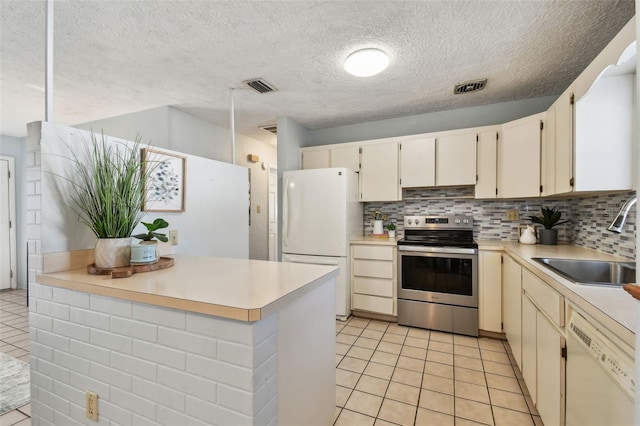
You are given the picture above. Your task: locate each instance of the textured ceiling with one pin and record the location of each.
(115, 57)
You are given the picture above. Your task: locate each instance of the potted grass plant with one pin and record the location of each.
(550, 217)
(107, 189)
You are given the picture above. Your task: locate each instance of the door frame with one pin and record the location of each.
(272, 179)
(13, 283)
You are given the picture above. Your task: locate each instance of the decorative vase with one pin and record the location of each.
(112, 252)
(528, 236)
(392, 233)
(145, 252)
(377, 227)
(548, 237)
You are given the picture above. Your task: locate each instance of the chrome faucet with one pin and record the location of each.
(621, 217)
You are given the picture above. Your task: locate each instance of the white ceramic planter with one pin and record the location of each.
(392, 234)
(377, 227)
(112, 252)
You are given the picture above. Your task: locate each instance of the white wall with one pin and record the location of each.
(150, 124)
(170, 128)
(17, 148)
(483, 115)
(215, 222)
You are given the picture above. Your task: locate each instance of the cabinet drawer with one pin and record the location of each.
(373, 252)
(381, 305)
(373, 268)
(373, 286)
(547, 299)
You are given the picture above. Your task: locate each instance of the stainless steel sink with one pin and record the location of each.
(592, 272)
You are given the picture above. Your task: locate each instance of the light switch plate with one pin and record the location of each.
(513, 214)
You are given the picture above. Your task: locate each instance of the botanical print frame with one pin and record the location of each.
(166, 184)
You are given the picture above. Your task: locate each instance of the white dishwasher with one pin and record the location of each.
(600, 378)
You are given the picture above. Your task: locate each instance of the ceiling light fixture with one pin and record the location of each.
(366, 62)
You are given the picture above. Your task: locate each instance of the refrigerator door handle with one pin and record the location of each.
(285, 215)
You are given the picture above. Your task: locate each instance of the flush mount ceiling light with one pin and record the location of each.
(366, 62)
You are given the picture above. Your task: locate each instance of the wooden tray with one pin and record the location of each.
(127, 271)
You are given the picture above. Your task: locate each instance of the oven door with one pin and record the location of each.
(438, 274)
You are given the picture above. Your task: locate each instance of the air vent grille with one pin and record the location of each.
(271, 128)
(469, 86)
(259, 85)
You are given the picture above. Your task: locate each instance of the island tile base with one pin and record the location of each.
(157, 365)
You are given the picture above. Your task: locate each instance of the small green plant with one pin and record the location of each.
(550, 217)
(391, 227)
(152, 227)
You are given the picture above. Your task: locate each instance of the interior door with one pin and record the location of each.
(8, 278)
(272, 233)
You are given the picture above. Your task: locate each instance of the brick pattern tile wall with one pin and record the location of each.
(589, 216)
(149, 365)
(34, 202)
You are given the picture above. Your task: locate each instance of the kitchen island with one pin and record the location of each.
(208, 341)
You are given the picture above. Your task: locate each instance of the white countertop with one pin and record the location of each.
(386, 241)
(611, 306)
(241, 289)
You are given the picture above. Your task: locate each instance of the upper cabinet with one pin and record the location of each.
(448, 159)
(348, 157)
(379, 177)
(418, 163)
(519, 157)
(487, 164)
(316, 159)
(592, 146)
(456, 159)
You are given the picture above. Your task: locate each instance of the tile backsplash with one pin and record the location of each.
(588, 216)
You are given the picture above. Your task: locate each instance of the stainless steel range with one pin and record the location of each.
(438, 274)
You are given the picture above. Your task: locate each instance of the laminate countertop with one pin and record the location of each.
(240, 289)
(611, 306)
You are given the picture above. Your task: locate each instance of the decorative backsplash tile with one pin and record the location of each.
(588, 216)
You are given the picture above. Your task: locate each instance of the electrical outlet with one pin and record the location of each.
(173, 237)
(92, 405)
(513, 214)
(258, 209)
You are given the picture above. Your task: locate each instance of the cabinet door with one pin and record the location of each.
(490, 291)
(487, 165)
(519, 158)
(317, 159)
(418, 163)
(551, 374)
(456, 160)
(348, 157)
(548, 154)
(379, 172)
(511, 306)
(529, 357)
(563, 109)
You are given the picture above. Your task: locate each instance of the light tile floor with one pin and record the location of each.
(388, 374)
(14, 341)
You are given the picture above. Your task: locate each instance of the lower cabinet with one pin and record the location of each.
(512, 306)
(490, 290)
(543, 364)
(373, 278)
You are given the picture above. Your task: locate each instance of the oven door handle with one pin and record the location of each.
(447, 250)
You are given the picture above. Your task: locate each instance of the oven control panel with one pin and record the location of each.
(438, 222)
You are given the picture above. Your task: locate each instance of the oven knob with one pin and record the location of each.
(410, 221)
(465, 221)
(457, 220)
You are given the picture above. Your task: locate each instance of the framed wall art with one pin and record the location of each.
(166, 185)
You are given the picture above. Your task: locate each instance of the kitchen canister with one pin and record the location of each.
(528, 235)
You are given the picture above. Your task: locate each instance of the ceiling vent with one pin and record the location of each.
(270, 128)
(469, 86)
(259, 85)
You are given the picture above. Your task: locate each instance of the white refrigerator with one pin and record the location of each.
(321, 214)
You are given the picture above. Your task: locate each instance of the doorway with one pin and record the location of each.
(8, 254)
